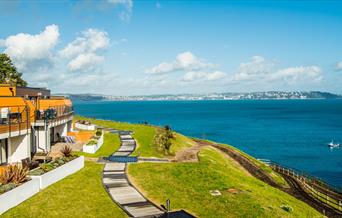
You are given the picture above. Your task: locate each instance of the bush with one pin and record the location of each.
(92, 142)
(66, 151)
(287, 208)
(13, 174)
(98, 133)
(162, 140)
(46, 167)
(7, 187)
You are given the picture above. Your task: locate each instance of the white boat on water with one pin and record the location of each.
(333, 145)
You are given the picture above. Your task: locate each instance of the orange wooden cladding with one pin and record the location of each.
(5, 128)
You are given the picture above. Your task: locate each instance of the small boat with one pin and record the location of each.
(333, 145)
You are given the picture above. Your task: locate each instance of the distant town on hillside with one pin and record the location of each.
(212, 96)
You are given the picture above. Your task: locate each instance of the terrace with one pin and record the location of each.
(14, 118)
(53, 110)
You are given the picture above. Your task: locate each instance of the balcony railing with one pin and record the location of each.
(13, 119)
(53, 112)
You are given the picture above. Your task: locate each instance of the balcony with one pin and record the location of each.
(14, 121)
(55, 114)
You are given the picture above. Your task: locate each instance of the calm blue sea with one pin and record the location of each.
(292, 132)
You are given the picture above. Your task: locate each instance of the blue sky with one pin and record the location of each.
(125, 47)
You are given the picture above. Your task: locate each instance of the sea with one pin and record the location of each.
(294, 133)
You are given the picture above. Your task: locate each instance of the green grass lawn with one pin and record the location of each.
(144, 135)
(78, 195)
(187, 185)
(110, 144)
(267, 169)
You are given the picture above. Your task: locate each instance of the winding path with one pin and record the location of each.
(114, 178)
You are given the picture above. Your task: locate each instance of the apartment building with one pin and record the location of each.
(31, 121)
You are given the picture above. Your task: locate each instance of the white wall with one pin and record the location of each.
(85, 127)
(15, 196)
(18, 148)
(61, 129)
(42, 138)
(60, 172)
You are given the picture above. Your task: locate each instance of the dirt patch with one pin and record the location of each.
(188, 154)
(234, 191)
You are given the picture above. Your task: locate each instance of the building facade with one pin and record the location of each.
(31, 121)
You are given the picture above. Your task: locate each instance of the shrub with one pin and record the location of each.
(162, 140)
(6, 176)
(66, 151)
(92, 142)
(7, 187)
(98, 133)
(46, 167)
(14, 174)
(287, 208)
(19, 174)
(61, 161)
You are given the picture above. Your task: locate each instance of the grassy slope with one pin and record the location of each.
(275, 176)
(144, 135)
(80, 194)
(187, 185)
(111, 143)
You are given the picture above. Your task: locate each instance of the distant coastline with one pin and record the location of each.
(271, 95)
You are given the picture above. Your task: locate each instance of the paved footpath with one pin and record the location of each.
(121, 191)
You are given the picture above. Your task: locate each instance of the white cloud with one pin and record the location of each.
(84, 61)
(185, 61)
(260, 70)
(25, 48)
(199, 75)
(82, 52)
(256, 68)
(339, 66)
(91, 40)
(128, 4)
(292, 75)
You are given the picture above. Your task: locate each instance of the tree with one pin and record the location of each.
(9, 73)
(162, 139)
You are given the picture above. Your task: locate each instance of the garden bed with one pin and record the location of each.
(57, 170)
(94, 143)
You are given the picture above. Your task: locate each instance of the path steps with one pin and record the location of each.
(115, 180)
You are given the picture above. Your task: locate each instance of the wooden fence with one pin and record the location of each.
(320, 191)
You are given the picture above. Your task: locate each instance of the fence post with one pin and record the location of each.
(339, 205)
(327, 199)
